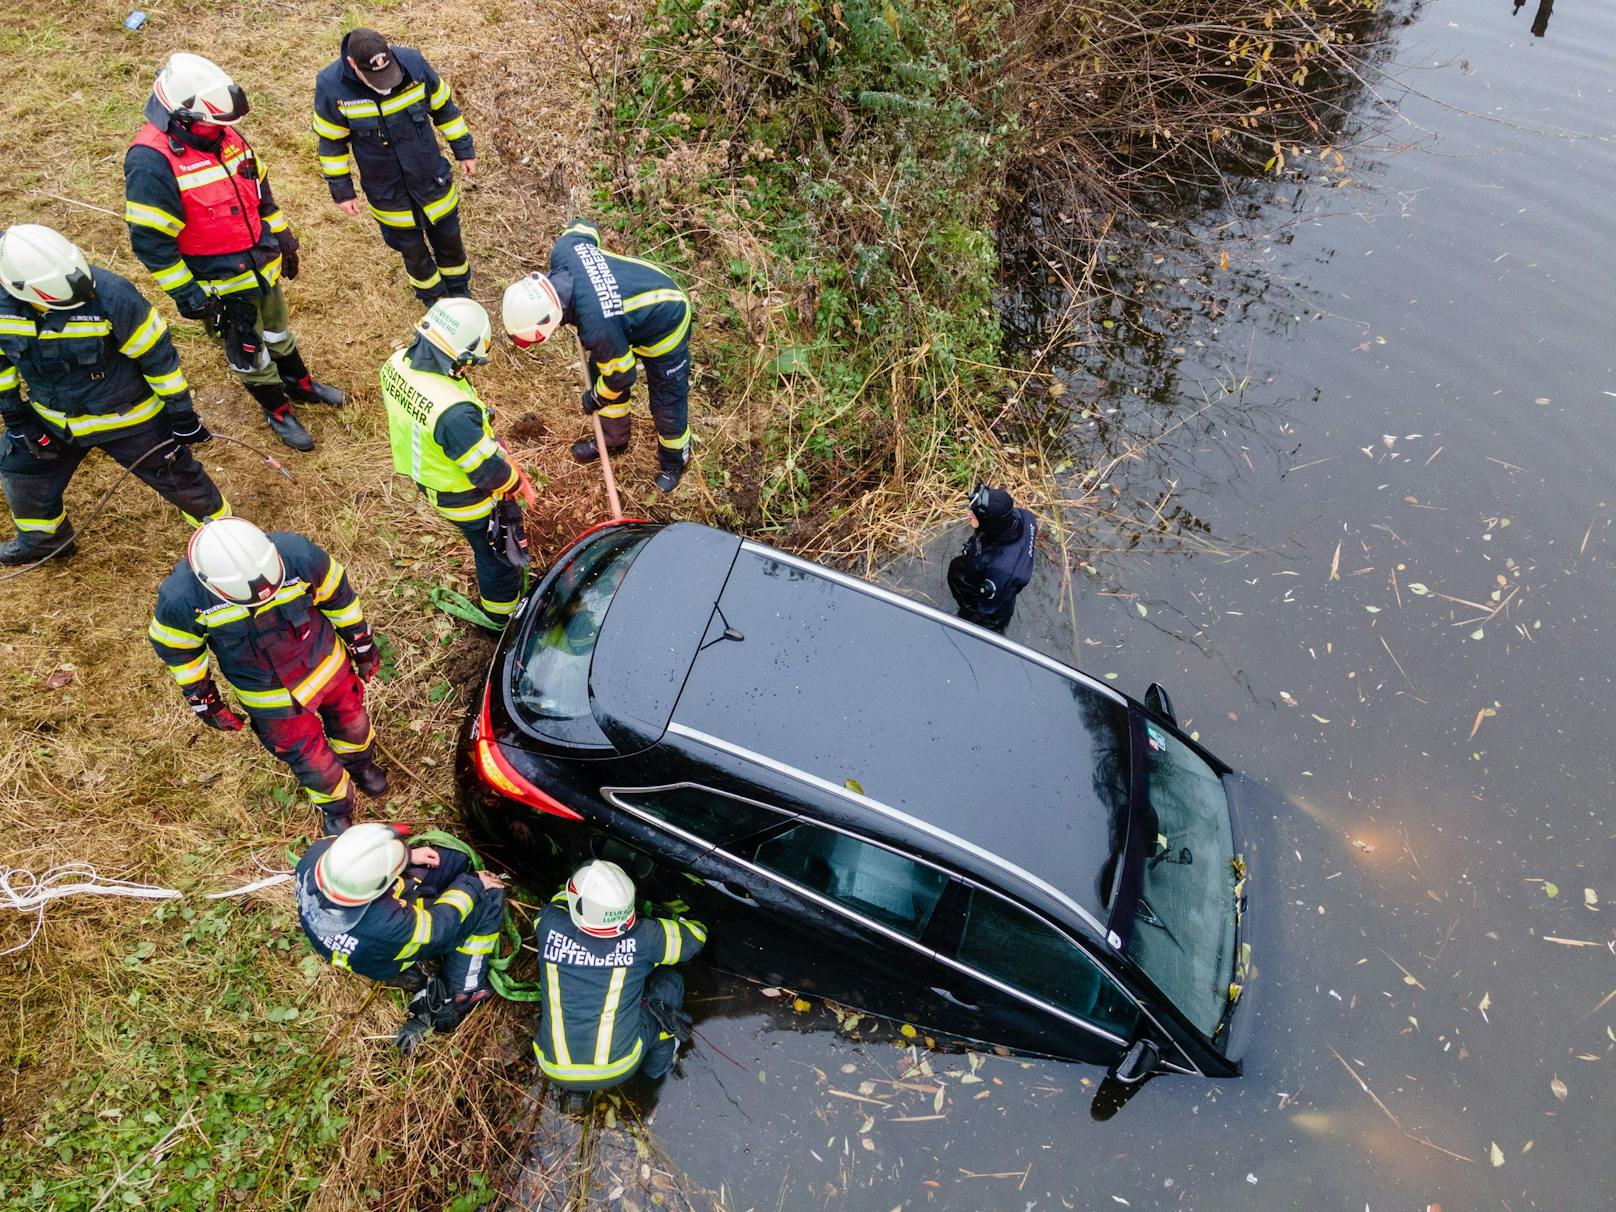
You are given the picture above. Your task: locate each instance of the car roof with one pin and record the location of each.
(653, 627)
(922, 716)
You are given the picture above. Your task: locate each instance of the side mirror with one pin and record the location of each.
(1136, 1064)
(1156, 699)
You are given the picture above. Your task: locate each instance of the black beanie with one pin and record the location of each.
(995, 510)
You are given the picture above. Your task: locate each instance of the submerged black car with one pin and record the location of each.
(871, 799)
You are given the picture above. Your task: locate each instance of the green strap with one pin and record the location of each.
(463, 608)
(499, 977)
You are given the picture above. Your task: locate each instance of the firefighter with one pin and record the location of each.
(613, 1006)
(441, 438)
(101, 371)
(279, 616)
(372, 905)
(202, 218)
(996, 563)
(380, 104)
(626, 311)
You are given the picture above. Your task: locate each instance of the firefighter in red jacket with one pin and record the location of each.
(202, 218)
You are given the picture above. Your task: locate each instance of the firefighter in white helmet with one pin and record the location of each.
(629, 314)
(202, 219)
(613, 1005)
(370, 904)
(442, 438)
(100, 371)
(285, 626)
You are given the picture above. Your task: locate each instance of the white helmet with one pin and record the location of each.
(460, 328)
(236, 561)
(44, 267)
(194, 89)
(600, 898)
(361, 864)
(531, 311)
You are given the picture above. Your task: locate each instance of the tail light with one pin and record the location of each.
(499, 774)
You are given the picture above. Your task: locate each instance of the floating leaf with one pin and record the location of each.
(1558, 1088)
(906, 1031)
(1372, 609)
(853, 785)
(1417, 589)
(1590, 898)
(802, 1005)
(1140, 607)
(1550, 888)
(1477, 633)
(1495, 1154)
(1486, 1001)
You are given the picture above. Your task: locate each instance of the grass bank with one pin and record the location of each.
(826, 177)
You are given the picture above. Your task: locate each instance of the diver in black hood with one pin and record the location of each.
(996, 563)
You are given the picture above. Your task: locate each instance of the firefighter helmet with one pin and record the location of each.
(44, 267)
(460, 328)
(531, 310)
(361, 864)
(235, 561)
(600, 898)
(194, 89)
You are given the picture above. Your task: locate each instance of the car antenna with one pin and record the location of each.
(729, 632)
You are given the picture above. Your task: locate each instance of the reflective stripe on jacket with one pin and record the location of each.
(415, 401)
(201, 220)
(99, 370)
(624, 308)
(392, 139)
(278, 656)
(593, 1025)
(402, 927)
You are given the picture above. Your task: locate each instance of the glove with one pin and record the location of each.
(289, 247)
(592, 403)
(244, 346)
(210, 312)
(367, 658)
(211, 709)
(188, 429)
(35, 440)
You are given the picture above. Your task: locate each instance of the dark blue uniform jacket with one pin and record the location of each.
(104, 369)
(394, 138)
(624, 308)
(414, 920)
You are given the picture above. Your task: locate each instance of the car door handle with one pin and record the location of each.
(951, 999)
(734, 894)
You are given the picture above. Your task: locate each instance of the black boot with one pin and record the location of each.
(335, 820)
(295, 379)
(668, 478)
(585, 450)
(280, 418)
(15, 551)
(372, 779)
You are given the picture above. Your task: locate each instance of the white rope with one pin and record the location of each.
(22, 890)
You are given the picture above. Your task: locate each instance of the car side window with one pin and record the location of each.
(710, 815)
(869, 879)
(1025, 952)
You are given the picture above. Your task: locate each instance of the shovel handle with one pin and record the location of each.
(600, 434)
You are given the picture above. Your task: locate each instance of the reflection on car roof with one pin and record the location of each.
(937, 720)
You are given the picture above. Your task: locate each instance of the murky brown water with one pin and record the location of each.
(1385, 591)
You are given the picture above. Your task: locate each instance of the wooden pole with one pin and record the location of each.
(600, 433)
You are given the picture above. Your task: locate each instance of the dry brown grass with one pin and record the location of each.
(110, 768)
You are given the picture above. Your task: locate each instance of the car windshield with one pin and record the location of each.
(1183, 933)
(552, 661)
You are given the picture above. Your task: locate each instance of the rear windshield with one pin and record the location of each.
(551, 691)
